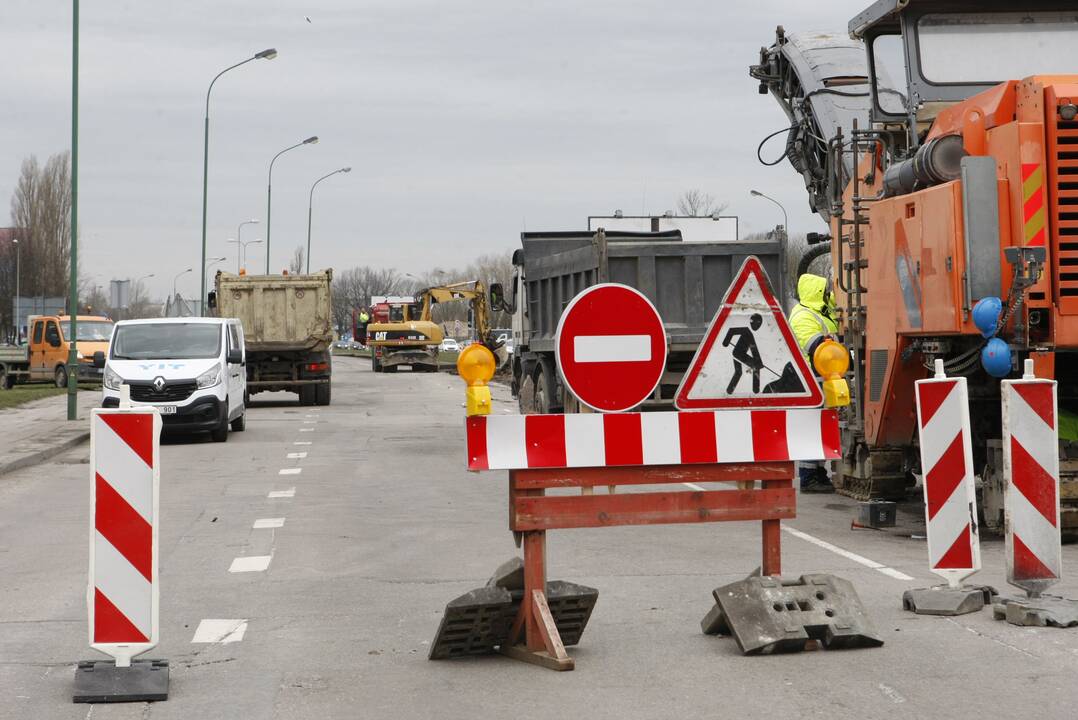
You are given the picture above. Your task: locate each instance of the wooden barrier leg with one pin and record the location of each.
(542, 643)
(772, 538)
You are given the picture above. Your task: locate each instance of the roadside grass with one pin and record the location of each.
(22, 394)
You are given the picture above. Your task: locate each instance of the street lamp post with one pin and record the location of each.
(785, 220)
(210, 262)
(310, 210)
(269, 192)
(241, 251)
(239, 238)
(267, 54)
(73, 281)
(18, 302)
(184, 272)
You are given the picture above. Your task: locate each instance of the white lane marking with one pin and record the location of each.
(250, 563)
(220, 631)
(309, 422)
(306, 429)
(314, 416)
(296, 455)
(693, 486)
(290, 492)
(890, 692)
(263, 523)
(611, 348)
(302, 442)
(290, 471)
(890, 572)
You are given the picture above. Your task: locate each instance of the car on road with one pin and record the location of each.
(449, 345)
(191, 369)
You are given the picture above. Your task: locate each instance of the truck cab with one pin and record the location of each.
(45, 356)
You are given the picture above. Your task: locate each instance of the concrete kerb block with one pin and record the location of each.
(948, 601)
(1044, 611)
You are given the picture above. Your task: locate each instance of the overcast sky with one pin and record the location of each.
(463, 121)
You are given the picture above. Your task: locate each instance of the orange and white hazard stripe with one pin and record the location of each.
(954, 551)
(1031, 476)
(122, 595)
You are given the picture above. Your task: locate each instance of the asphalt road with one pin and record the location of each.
(385, 527)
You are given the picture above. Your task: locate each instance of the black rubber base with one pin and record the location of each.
(102, 682)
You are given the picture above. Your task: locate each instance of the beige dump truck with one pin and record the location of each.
(287, 327)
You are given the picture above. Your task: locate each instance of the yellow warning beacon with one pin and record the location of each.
(476, 366)
(832, 361)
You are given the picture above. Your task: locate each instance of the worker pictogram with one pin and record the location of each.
(749, 357)
(611, 347)
(1031, 477)
(122, 593)
(947, 463)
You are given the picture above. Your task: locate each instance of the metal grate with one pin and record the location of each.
(877, 361)
(171, 392)
(1063, 137)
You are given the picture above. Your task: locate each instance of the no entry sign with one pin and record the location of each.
(611, 347)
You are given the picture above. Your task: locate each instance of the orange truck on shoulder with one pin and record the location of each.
(44, 358)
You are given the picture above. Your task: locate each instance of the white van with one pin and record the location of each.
(191, 369)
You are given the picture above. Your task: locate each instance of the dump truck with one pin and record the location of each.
(408, 335)
(685, 281)
(939, 142)
(287, 327)
(44, 357)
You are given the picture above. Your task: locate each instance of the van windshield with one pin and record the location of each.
(166, 341)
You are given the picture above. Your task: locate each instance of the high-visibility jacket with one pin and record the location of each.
(811, 319)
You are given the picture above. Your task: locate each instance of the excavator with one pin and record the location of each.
(939, 142)
(409, 336)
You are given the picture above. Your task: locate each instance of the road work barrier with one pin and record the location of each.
(122, 593)
(522, 615)
(954, 551)
(1031, 502)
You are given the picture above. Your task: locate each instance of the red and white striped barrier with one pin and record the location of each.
(1031, 474)
(122, 595)
(954, 551)
(515, 442)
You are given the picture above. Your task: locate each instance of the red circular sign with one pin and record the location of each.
(611, 347)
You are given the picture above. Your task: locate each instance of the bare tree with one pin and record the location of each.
(353, 288)
(295, 265)
(41, 210)
(697, 203)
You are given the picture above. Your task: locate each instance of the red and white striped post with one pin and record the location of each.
(1031, 476)
(954, 551)
(122, 593)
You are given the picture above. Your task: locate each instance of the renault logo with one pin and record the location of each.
(158, 384)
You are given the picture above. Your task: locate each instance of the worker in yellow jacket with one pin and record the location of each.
(812, 321)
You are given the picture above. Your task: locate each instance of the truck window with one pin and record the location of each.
(39, 327)
(396, 313)
(52, 334)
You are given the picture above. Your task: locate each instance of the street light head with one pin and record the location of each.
(256, 240)
(755, 193)
(253, 221)
(346, 169)
(267, 54)
(312, 140)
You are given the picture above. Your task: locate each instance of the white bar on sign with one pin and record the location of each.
(611, 348)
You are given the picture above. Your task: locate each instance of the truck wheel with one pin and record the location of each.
(389, 368)
(306, 394)
(321, 394)
(544, 390)
(7, 380)
(526, 396)
(60, 378)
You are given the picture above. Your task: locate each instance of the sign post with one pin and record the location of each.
(122, 593)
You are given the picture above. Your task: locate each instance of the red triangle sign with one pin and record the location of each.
(749, 357)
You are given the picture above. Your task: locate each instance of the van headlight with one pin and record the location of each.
(112, 381)
(209, 378)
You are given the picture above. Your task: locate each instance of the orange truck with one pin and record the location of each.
(938, 139)
(44, 357)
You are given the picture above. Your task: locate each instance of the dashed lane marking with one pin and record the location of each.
(306, 429)
(264, 523)
(880, 567)
(290, 471)
(302, 442)
(296, 455)
(290, 492)
(250, 563)
(309, 422)
(220, 631)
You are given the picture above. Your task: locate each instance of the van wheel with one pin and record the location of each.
(321, 394)
(60, 378)
(240, 423)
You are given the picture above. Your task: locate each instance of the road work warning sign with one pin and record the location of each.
(749, 357)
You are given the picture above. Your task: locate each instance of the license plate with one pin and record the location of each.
(167, 409)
